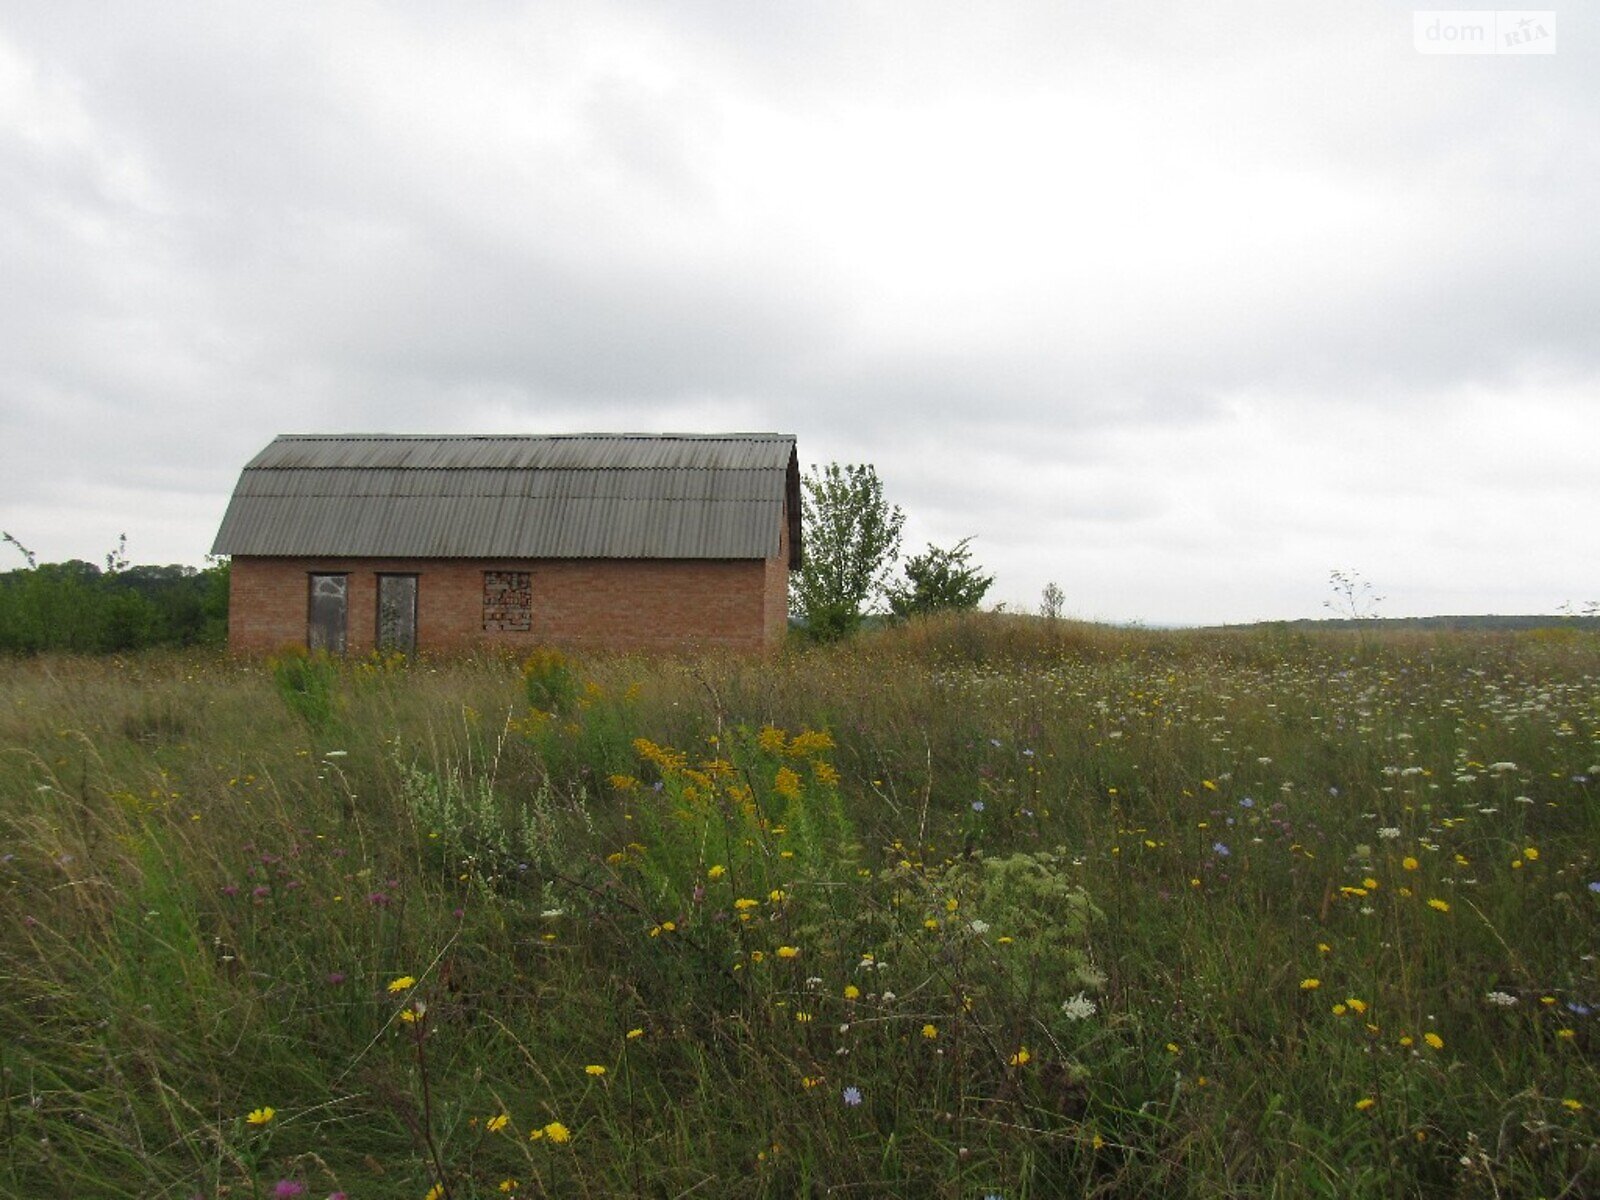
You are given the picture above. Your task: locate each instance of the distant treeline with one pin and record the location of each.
(77, 606)
(1488, 622)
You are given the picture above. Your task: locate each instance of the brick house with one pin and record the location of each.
(632, 541)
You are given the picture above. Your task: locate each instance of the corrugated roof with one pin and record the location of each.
(470, 496)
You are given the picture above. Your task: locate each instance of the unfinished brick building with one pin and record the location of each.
(357, 542)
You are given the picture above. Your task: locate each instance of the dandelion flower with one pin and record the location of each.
(716, 872)
(436, 1192)
(1531, 853)
(1434, 1040)
(635, 1033)
(1310, 985)
(930, 1031)
(1365, 1103)
(557, 1132)
(852, 992)
(1439, 905)
(496, 1124)
(594, 1069)
(1409, 863)
(788, 952)
(261, 1116)
(401, 984)
(1021, 1058)
(1356, 1005)
(1566, 1035)
(1574, 1105)
(1407, 1040)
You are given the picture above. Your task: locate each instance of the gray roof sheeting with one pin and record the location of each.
(578, 496)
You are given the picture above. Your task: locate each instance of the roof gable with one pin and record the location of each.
(496, 496)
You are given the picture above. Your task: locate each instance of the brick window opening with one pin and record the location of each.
(507, 601)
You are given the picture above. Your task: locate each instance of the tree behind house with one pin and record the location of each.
(852, 539)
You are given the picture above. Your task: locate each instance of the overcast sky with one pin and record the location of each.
(1180, 306)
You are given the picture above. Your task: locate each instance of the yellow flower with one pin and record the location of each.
(1566, 1035)
(788, 952)
(401, 984)
(1356, 1006)
(803, 1017)
(635, 1033)
(742, 904)
(717, 872)
(1324, 948)
(1531, 853)
(496, 1124)
(1369, 882)
(1021, 1058)
(1172, 1048)
(852, 992)
(1310, 985)
(1409, 863)
(758, 956)
(1407, 1040)
(930, 924)
(260, 1116)
(1434, 1040)
(1439, 904)
(787, 784)
(436, 1192)
(776, 896)
(557, 1132)
(1338, 1010)
(1365, 1103)
(509, 1185)
(1574, 1105)
(809, 1081)
(930, 1031)
(594, 1069)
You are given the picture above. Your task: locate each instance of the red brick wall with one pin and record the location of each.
(776, 588)
(634, 604)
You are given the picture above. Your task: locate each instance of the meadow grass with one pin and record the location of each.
(974, 907)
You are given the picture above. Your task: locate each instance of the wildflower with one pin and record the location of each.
(1407, 1040)
(1365, 1103)
(436, 1192)
(1439, 905)
(787, 784)
(852, 1097)
(1566, 1035)
(1173, 1048)
(743, 904)
(930, 924)
(1021, 1058)
(1310, 985)
(803, 1017)
(1324, 948)
(930, 1031)
(1531, 853)
(1339, 1010)
(285, 1189)
(1356, 1006)
(852, 992)
(1434, 1040)
(1501, 999)
(401, 984)
(594, 1069)
(1574, 1105)
(809, 1081)
(635, 1033)
(716, 872)
(788, 952)
(1078, 1008)
(496, 1124)
(1220, 849)
(261, 1116)
(1389, 833)
(509, 1185)
(977, 806)
(557, 1133)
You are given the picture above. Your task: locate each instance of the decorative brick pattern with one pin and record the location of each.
(507, 601)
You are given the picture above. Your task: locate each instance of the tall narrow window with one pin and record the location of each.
(325, 624)
(397, 613)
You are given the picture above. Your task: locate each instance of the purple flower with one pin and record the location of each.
(287, 1188)
(1594, 885)
(852, 1096)
(1247, 803)
(335, 978)
(977, 806)
(1220, 849)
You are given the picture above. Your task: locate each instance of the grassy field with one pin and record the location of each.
(984, 907)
